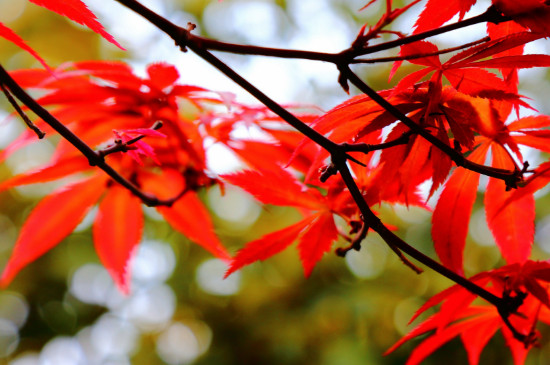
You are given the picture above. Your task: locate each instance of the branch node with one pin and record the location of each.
(327, 171)
(343, 79)
(457, 147)
(183, 36)
(359, 227)
(495, 16)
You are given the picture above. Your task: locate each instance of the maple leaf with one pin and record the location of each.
(54, 218)
(75, 10)
(464, 70)
(452, 213)
(510, 214)
(117, 231)
(438, 12)
(476, 324)
(85, 94)
(316, 232)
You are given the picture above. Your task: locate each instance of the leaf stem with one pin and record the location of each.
(39, 133)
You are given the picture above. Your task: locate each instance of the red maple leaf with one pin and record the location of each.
(75, 10)
(316, 232)
(438, 12)
(476, 324)
(131, 104)
(510, 214)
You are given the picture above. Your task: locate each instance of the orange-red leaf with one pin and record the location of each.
(473, 81)
(11, 36)
(438, 12)
(77, 11)
(268, 245)
(476, 338)
(434, 342)
(117, 231)
(190, 217)
(452, 213)
(276, 187)
(316, 240)
(51, 172)
(54, 218)
(510, 220)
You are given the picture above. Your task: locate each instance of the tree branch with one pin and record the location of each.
(339, 155)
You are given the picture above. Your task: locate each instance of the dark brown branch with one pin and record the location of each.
(504, 305)
(201, 46)
(182, 36)
(367, 148)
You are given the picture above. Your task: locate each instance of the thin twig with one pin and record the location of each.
(418, 55)
(21, 113)
(120, 146)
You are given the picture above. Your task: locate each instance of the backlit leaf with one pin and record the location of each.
(189, 216)
(316, 241)
(53, 219)
(451, 216)
(11, 36)
(438, 12)
(77, 11)
(117, 231)
(276, 187)
(512, 222)
(267, 246)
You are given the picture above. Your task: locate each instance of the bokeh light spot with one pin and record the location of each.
(210, 278)
(178, 345)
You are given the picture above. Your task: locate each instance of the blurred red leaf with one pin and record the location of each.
(11, 36)
(77, 11)
(54, 218)
(190, 217)
(117, 231)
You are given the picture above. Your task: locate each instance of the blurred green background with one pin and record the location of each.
(64, 309)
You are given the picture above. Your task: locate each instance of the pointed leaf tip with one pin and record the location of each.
(78, 12)
(190, 217)
(11, 36)
(117, 231)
